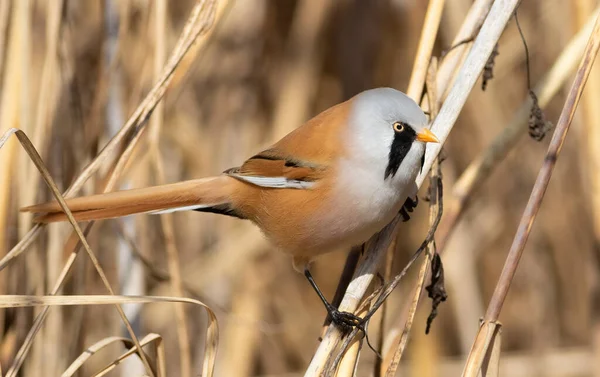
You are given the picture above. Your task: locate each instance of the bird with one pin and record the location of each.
(329, 184)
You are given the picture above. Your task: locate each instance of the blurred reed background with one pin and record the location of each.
(73, 71)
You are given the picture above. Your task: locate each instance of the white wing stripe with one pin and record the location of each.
(176, 209)
(274, 182)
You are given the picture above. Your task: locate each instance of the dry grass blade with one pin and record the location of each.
(455, 57)
(487, 38)
(4, 13)
(434, 209)
(483, 165)
(160, 52)
(148, 339)
(482, 341)
(431, 25)
(92, 350)
(491, 362)
(47, 101)
(39, 164)
(212, 332)
(39, 319)
(199, 22)
(418, 78)
(481, 348)
(541, 183)
(187, 65)
(104, 343)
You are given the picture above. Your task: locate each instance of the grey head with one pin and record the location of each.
(388, 132)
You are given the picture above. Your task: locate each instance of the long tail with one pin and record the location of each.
(207, 194)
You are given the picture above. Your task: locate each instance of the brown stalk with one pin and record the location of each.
(429, 32)
(475, 360)
(9, 115)
(46, 104)
(45, 109)
(391, 360)
(484, 164)
(591, 155)
(544, 175)
(348, 363)
(35, 157)
(12, 101)
(418, 78)
(4, 16)
(160, 54)
(541, 183)
(197, 23)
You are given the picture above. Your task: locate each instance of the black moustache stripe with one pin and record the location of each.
(400, 147)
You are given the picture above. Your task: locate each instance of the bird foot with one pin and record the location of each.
(407, 207)
(346, 321)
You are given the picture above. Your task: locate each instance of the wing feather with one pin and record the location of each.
(273, 169)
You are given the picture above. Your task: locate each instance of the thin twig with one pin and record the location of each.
(197, 23)
(35, 157)
(541, 183)
(484, 164)
(483, 340)
(454, 58)
(417, 81)
(431, 25)
(434, 213)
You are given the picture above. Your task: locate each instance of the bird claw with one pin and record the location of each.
(407, 207)
(346, 321)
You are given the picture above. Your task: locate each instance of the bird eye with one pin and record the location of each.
(398, 127)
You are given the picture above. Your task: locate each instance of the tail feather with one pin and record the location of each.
(198, 193)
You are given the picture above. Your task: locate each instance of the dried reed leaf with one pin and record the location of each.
(212, 331)
(487, 333)
(482, 166)
(154, 339)
(98, 346)
(393, 361)
(486, 336)
(491, 362)
(39, 164)
(199, 22)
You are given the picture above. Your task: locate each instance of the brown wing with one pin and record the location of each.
(272, 168)
(302, 156)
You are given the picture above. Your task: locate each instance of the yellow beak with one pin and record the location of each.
(427, 137)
